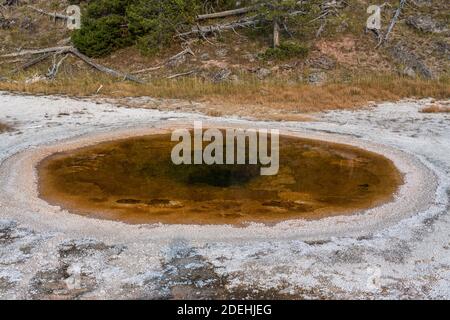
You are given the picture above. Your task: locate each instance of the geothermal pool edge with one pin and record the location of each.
(411, 198)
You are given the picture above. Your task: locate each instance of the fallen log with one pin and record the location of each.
(104, 69)
(37, 51)
(53, 15)
(75, 52)
(224, 14)
(203, 30)
(243, 23)
(33, 62)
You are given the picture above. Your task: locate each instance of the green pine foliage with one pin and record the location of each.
(104, 28)
(102, 36)
(155, 23)
(108, 25)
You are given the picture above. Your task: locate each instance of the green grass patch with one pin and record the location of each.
(286, 50)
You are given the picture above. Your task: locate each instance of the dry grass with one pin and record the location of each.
(4, 127)
(279, 95)
(309, 98)
(436, 108)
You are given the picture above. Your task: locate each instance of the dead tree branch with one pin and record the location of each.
(246, 22)
(147, 69)
(175, 57)
(392, 24)
(53, 71)
(181, 74)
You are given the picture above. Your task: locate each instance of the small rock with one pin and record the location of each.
(250, 57)
(9, 279)
(61, 283)
(221, 52)
(6, 225)
(221, 75)
(317, 77)
(371, 104)
(6, 23)
(28, 24)
(8, 231)
(322, 62)
(263, 73)
(204, 56)
(442, 47)
(409, 72)
(404, 56)
(342, 27)
(352, 254)
(84, 247)
(234, 78)
(176, 62)
(426, 24)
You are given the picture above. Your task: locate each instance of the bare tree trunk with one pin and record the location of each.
(392, 24)
(276, 33)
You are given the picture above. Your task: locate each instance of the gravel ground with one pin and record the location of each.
(398, 250)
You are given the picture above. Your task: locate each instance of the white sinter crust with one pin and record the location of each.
(293, 257)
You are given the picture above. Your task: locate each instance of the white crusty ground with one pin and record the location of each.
(406, 242)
